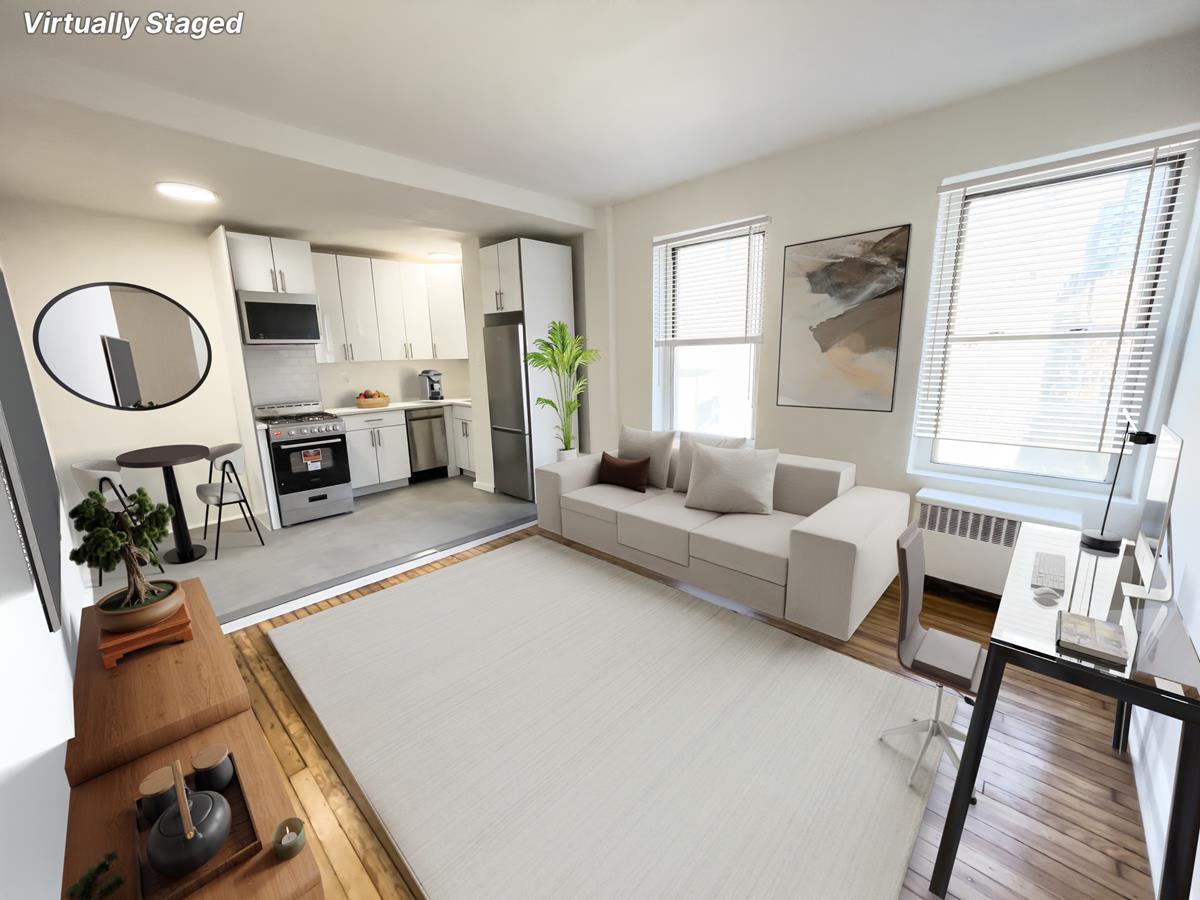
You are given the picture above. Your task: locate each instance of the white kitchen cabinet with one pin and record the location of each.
(461, 436)
(293, 265)
(391, 448)
(268, 264)
(489, 278)
(251, 261)
(415, 294)
(358, 308)
(389, 309)
(364, 463)
(447, 319)
(511, 292)
(333, 347)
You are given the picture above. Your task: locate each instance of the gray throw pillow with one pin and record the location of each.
(636, 443)
(683, 468)
(728, 480)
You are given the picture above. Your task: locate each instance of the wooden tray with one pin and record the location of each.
(174, 628)
(372, 403)
(242, 844)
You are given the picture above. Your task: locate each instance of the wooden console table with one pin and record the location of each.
(153, 697)
(161, 704)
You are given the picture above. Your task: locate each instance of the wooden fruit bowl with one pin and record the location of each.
(373, 403)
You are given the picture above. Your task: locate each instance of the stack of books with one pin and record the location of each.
(1092, 639)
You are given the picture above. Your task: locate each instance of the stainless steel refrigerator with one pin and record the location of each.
(508, 403)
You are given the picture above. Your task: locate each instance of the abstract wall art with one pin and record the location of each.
(840, 324)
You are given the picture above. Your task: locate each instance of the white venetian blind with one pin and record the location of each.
(708, 286)
(1046, 301)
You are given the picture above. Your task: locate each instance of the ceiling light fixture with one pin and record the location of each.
(188, 192)
(442, 254)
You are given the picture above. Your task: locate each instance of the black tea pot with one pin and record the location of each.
(191, 832)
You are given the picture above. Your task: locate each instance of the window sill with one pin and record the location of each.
(1028, 502)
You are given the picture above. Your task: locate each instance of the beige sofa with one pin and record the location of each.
(822, 559)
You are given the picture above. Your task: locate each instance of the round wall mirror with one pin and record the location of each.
(122, 346)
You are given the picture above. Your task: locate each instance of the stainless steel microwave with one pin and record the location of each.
(270, 317)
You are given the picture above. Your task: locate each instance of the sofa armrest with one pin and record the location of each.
(552, 481)
(843, 557)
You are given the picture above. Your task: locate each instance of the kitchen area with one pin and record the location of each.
(358, 374)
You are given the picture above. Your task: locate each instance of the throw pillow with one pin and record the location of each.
(636, 443)
(626, 473)
(726, 480)
(683, 468)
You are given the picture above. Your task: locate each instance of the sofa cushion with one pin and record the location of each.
(688, 439)
(603, 501)
(629, 473)
(750, 544)
(732, 481)
(637, 443)
(661, 526)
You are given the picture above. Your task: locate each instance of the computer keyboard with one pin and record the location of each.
(1049, 571)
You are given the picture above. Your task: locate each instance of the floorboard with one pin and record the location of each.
(1057, 815)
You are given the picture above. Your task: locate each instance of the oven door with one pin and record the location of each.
(304, 465)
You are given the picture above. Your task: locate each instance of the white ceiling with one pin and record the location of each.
(598, 101)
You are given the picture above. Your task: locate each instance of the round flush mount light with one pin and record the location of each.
(189, 193)
(442, 255)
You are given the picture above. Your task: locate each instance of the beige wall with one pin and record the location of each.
(163, 345)
(47, 249)
(481, 420)
(883, 176)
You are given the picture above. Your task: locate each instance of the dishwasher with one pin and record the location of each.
(427, 443)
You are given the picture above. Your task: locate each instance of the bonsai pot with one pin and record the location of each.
(168, 597)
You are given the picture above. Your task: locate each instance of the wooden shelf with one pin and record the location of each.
(153, 697)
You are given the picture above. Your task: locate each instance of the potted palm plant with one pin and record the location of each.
(127, 535)
(562, 354)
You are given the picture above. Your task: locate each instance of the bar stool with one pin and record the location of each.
(228, 490)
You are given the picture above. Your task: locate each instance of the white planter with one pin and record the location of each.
(567, 454)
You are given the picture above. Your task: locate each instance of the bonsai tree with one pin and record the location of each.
(562, 354)
(89, 887)
(111, 537)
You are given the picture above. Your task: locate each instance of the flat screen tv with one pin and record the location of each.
(29, 484)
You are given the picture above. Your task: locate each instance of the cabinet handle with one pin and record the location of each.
(407, 350)
(345, 352)
(435, 349)
(274, 283)
(379, 436)
(282, 281)
(496, 297)
(352, 351)
(372, 437)
(501, 296)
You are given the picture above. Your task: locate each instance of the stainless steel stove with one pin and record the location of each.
(309, 460)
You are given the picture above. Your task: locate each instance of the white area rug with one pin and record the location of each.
(538, 723)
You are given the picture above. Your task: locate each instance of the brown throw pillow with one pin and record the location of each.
(627, 473)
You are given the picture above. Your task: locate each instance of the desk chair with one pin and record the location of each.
(104, 475)
(228, 490)
(945, 659)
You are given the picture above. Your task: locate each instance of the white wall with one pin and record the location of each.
(881, 176)
(1154, 739)
(47, 249)
(341, 382)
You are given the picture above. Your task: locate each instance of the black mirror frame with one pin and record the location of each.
(37, 347)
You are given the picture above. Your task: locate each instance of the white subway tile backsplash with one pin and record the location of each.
(284, 374)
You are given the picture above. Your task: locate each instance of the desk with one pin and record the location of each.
(166, 458)
(1163, 675)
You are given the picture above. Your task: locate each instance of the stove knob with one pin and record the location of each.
(291, 431)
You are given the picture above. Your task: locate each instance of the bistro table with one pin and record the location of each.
(166, 458)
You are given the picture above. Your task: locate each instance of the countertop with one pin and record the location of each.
(399, 404)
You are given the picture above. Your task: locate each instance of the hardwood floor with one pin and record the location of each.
(1057, 814)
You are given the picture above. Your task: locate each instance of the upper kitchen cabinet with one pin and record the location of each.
(270, 265)
(414, 292)
(358, 308)
(447, 320)
(333, 346)
(500, 277)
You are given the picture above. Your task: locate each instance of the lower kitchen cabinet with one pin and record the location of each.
(378, 449)
(460, 434)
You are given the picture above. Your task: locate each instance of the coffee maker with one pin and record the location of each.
(431, 384)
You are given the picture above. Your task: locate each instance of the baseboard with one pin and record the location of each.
(484, 486)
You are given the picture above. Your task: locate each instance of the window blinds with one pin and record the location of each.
(708, 286)
(1046, 301)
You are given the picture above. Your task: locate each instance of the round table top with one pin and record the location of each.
(159, 457)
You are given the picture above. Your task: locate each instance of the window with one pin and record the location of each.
(708, 295)
(1047, 295)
